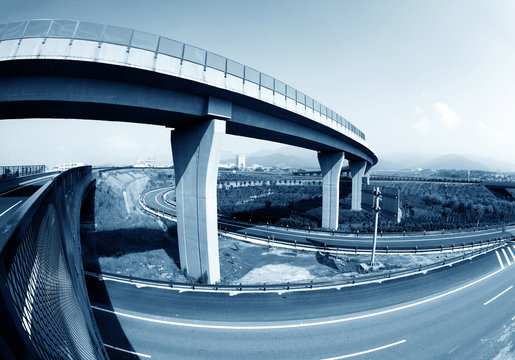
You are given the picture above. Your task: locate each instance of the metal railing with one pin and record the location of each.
(43, 299)
(318, 245)
(300, 286)
(142, 42)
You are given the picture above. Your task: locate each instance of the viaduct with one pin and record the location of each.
(80, 70)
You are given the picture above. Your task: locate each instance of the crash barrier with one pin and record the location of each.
(300, 286)
(43, 299)
(309, 244)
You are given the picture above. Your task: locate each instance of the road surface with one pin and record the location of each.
(464, 312)
(434, 240)
(11, 199)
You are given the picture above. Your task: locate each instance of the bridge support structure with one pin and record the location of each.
(357, 171)
(196, 154)
(331, 165)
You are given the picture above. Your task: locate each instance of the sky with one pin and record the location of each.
(416, 76)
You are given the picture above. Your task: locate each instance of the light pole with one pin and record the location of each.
(377, 195)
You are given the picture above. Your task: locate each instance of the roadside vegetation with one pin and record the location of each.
(424, 206)
(131, 242)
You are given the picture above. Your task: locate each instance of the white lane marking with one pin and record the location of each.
(513, 318)
(302, 324)
(506, 256)
(499, 258)
(128, 351)
(26, 183)
(38, 179)
(10, 208)
(513, 256)
(367, 351)
(496, 296)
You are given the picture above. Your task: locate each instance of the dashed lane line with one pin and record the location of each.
(128, 351)
(498, 295)
(499, 258)
(301, 324)
(367, 351)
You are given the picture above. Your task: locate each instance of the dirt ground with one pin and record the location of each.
(131, 242)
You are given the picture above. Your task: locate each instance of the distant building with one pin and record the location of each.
(150, 162)
(63, 167)
(240, 161)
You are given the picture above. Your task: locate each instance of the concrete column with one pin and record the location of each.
(196, 154)
(357, 170)
(331, 166)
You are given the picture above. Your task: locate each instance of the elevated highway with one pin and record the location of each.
(69, 69)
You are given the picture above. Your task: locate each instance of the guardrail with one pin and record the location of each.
(340, 249)
(304, 286)
(43, 299)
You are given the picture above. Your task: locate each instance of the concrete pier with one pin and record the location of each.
(357, 170)
(331, 165)
(196, 154)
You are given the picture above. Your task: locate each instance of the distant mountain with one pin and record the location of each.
(456, 162)
(449, 161)
(282, 160)
(287, 156)
(290, 156)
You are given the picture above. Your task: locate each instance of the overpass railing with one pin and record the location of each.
(43, 300)
(112, 44)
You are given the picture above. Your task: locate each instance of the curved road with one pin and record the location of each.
(460, 313)
(155, 199)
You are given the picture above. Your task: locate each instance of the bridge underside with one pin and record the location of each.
(89, 90)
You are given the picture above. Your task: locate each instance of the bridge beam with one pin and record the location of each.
(196, 154)
(331, 165)
(357, 170)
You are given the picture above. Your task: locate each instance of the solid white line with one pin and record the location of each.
(511, 252)
(496, 296)
(11, 207)
(366, 351)
(499, 258)
(506, 256)
(128, 351)
(302, 324)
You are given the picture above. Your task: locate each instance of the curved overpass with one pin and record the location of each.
(103, 72)
(71, 69)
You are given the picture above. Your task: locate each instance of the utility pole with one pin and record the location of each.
(377, 195)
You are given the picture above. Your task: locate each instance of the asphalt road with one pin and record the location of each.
(465, 312)
(433, 240)
(11, 199)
